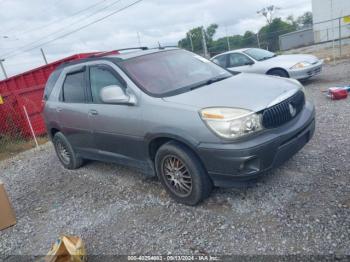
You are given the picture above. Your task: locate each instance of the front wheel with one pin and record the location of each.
(182, 174)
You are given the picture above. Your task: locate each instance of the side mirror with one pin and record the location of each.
(114, 94)
(250, 63)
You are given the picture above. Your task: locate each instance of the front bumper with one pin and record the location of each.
(306, 72)
(229, 163)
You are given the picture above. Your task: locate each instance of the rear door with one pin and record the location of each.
(72, 109)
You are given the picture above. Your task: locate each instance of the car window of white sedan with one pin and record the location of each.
(221, 60)
(237, 59)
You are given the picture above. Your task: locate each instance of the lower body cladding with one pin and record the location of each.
(243, 160)
(305, 73)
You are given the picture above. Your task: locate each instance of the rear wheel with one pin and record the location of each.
(182, 174)
(278, 72)
(65, 152)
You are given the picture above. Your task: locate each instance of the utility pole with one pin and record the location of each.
(257, 37)
(205, 48)
(3, 68)
(228, 40)
(191, 41)
(139, 39)
(42, 52)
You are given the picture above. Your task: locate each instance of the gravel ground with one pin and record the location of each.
(301, 208)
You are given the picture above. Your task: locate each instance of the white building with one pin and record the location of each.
(327, 16)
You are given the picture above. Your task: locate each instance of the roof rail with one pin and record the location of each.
(167, 46)
(115, 52)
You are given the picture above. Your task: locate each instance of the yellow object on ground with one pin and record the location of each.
(1, 100)
(67, 249)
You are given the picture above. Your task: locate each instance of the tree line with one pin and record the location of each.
(267, 36)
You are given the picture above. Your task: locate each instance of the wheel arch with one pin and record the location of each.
(277, 68)
(156, 141)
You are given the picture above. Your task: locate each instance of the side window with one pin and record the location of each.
(101, 77)
(74, 88)
(51, 83)
(239, 60)
(221, 60)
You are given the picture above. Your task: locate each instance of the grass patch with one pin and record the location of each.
(10, 146)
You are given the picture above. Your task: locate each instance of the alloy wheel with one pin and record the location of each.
(177, 176)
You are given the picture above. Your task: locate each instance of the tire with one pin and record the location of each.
(69, 158)
(278, 72)
(193, 176)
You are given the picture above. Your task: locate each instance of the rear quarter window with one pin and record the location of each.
(51, 83)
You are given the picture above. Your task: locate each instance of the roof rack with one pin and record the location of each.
(115, 52)
(167, 46)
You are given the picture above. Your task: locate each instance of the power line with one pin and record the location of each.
(80, 28)
(61, 29)
(60, 20)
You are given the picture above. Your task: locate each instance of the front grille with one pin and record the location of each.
(284, 111)
(314, 71)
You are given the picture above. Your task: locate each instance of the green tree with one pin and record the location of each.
(305, 20)
(196, 35)
(249, 39)
(269, 34)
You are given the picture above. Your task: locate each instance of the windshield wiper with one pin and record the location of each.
(209, 81)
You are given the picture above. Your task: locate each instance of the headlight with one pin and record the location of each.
(231, 122)
(300, 65)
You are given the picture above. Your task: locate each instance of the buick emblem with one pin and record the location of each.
(292, 110)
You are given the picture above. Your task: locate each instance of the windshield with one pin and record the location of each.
(171, 72)
(259, 54)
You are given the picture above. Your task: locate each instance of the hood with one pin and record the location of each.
(249, 91)
(290, 60)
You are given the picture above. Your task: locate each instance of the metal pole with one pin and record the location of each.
(3, 68)
(228, 40)
(30, 126)
(205, 48)
(333, 44)
(339, 36)
(257, 36)
(191, 41)
(42, 52)
(139, 39)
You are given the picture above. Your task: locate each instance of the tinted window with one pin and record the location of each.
(221, 60)
(73, 88)
(51, 83)
(238, 60)
(168, 72)
(101, 77)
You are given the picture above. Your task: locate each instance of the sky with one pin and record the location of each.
(29, 24)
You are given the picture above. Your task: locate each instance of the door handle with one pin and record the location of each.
(58, 109)
(93, 112)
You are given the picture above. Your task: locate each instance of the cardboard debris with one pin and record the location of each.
(67, 249)
(7, 215)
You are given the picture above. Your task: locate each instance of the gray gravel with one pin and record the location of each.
(300, 208)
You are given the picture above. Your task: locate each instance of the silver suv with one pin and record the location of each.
(173, 114)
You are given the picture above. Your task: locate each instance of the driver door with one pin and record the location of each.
(240, 63)
(115, 127)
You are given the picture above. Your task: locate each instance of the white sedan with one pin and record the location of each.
(255, 60)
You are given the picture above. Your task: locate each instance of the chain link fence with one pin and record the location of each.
(21, 123)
